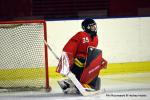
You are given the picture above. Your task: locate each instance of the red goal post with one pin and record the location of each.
(23, 55)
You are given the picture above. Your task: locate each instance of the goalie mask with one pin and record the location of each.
(89, 26)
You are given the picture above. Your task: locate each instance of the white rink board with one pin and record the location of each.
(121, 39)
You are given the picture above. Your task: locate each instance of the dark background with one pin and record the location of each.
(69, 9)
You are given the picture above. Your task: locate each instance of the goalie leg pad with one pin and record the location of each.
(94, 64)
(92, 70)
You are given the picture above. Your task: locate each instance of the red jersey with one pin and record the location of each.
(79, 43)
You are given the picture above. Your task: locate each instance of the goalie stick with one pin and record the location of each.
(51, 50)
(72, 77)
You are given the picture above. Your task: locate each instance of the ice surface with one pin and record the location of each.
(117, 87)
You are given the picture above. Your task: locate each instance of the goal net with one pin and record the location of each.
(23, 55)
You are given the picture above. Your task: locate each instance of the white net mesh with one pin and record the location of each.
(22, 55)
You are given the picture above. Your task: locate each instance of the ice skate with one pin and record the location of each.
(68, 87)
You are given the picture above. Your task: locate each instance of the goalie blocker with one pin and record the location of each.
(94, 63)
